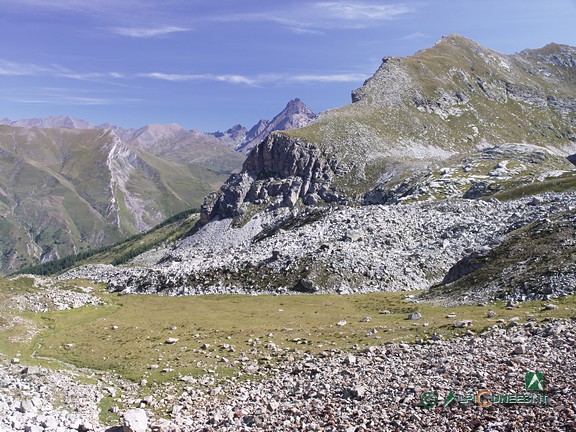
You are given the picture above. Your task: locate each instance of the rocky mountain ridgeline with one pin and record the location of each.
(157, 137)
(444, 107)
(438, 158)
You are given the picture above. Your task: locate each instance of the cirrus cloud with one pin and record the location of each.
(259, 79)
(315, 17)
(144, 33)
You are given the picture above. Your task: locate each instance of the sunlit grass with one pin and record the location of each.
(129, 336)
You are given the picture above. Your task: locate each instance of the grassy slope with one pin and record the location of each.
(55, 192)
(120, 253)
(529, 259)
(44, 207)
(565, 182)
(386, 124)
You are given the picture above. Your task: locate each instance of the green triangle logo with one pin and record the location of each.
(535, 381)
(449, 399)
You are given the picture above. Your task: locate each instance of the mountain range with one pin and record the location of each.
(444, 162)
(67, 186)
(421, 127)
(444, 193)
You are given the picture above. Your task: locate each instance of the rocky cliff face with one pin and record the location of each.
(279, 172)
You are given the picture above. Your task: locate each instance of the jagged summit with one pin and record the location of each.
(295, 115)
(237, 134)
(257, 129)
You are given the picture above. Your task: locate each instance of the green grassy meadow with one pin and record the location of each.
(220, 334)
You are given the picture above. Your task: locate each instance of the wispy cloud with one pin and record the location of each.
(299, 16)
(233, 79)
(69, 100)
(136, 32)
(362, 13)
(260, 79)
(67, 97)
(173, 77)
(415, 36)
(93, 7)
(91, 76)
(9, 68)
(132, 18)
(329, 78)
(316, 17)
(236, 79)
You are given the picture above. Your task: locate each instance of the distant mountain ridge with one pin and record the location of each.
(65, 190)
(67, 185)
(295, 115)
(50, 122)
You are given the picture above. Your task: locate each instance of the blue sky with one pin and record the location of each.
(208, 64)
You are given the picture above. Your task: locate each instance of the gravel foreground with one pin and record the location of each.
(378, 388)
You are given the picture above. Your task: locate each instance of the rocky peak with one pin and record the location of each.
(295, 115)
(552, 54)
(237, 132)
(257, 129)
(234, 136)
(296, 106)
